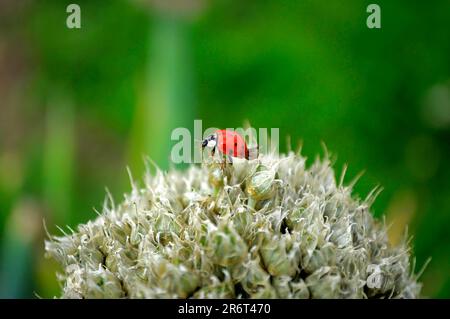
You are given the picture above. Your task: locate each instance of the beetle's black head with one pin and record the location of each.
(210, 141)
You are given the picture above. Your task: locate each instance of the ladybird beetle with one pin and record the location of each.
(228, 143)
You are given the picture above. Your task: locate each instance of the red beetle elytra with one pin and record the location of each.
(228, 143)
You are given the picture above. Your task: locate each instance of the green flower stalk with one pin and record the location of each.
(265, 228)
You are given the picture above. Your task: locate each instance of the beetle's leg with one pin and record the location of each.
(223, 162)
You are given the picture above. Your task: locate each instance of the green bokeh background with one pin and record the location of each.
(77, 106)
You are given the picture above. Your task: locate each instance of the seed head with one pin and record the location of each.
(264, 228)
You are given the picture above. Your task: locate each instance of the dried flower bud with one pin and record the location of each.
(261, 184)
(215, 176)
(165, 226)
(226, 246)
(324, 283)
(288, 288)
(280, 255)
(217, 289)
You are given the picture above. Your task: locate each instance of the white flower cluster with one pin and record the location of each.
(266, 228)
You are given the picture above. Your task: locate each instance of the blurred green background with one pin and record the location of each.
(77, 106)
